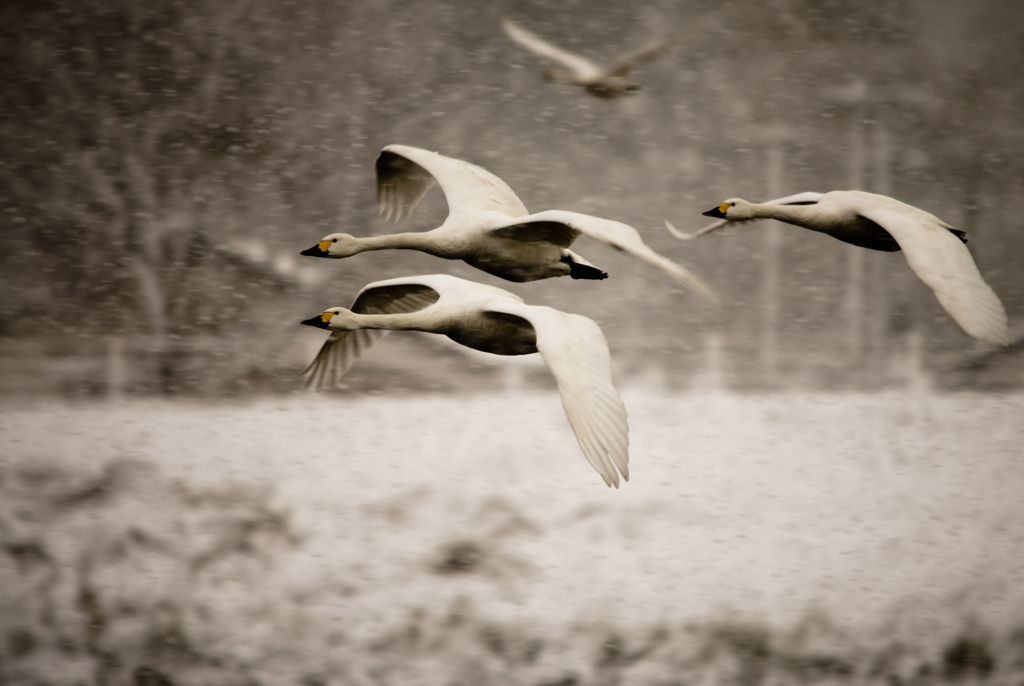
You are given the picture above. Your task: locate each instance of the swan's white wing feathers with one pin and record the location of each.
(806, 198)
(576, 352)
(343, 348)
(625, 238)
(581, 67)
(448, 284)
(405, 174)
(401, 184)
(622, 65)
(554, 232)
(337, 355)
(696, 234)
(944, 263)
(392, 297)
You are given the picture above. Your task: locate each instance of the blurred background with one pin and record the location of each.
(826, 473)
(165, 163)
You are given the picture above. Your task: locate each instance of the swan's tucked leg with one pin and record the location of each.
(579, 269)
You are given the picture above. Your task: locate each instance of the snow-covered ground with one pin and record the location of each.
(895, 513)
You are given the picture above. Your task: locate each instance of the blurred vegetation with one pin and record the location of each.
(161, 165)
(120, 574)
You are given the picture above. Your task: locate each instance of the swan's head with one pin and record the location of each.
(334, 319)
(336, 245)
(733, 209)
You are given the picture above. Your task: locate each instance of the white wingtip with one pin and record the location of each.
(989, 323)
(676, 232)
(696, 234)
(695, 284)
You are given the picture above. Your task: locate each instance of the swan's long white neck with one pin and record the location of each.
(424, 242)
(801, 215)
(353, 321)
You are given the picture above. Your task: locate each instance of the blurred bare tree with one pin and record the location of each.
(161, 162)
(132, 131)
(130, 116)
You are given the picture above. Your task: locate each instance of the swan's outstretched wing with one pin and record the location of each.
(580, 66)
(343, 348)
(448, 284)
(556, 232)
(405, 174)
(808, 198)
(337, 355)
(942, 261)
(561, 225)
(625, 63)
(696, 234)
(576, 352)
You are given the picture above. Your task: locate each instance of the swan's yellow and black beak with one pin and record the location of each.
(320, 321)
(718, 212)
(318, 250)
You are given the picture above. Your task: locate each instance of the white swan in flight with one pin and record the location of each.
(606, 81)
(935, 251)
(489, 228)
(495, 321)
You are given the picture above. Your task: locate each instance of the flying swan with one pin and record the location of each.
(488, 227)
(935, 251)
(495, 321)
(607, 81)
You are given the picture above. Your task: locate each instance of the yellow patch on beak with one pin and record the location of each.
(723, 208)
(324, 245)
(326, 316)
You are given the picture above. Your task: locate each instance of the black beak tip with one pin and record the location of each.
(714, 212)
(317, 321)
(315, 251)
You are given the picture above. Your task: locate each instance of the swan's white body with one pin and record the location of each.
(495, 321)
(935, 251)
(607, 81)
(488, 226)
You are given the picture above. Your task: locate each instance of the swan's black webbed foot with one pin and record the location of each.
(584, 271)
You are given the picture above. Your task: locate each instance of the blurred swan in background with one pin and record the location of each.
(489, 228)
(607, 81)
(495, 321)
(935, 251)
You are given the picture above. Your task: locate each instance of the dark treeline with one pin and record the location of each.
(162, 164)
